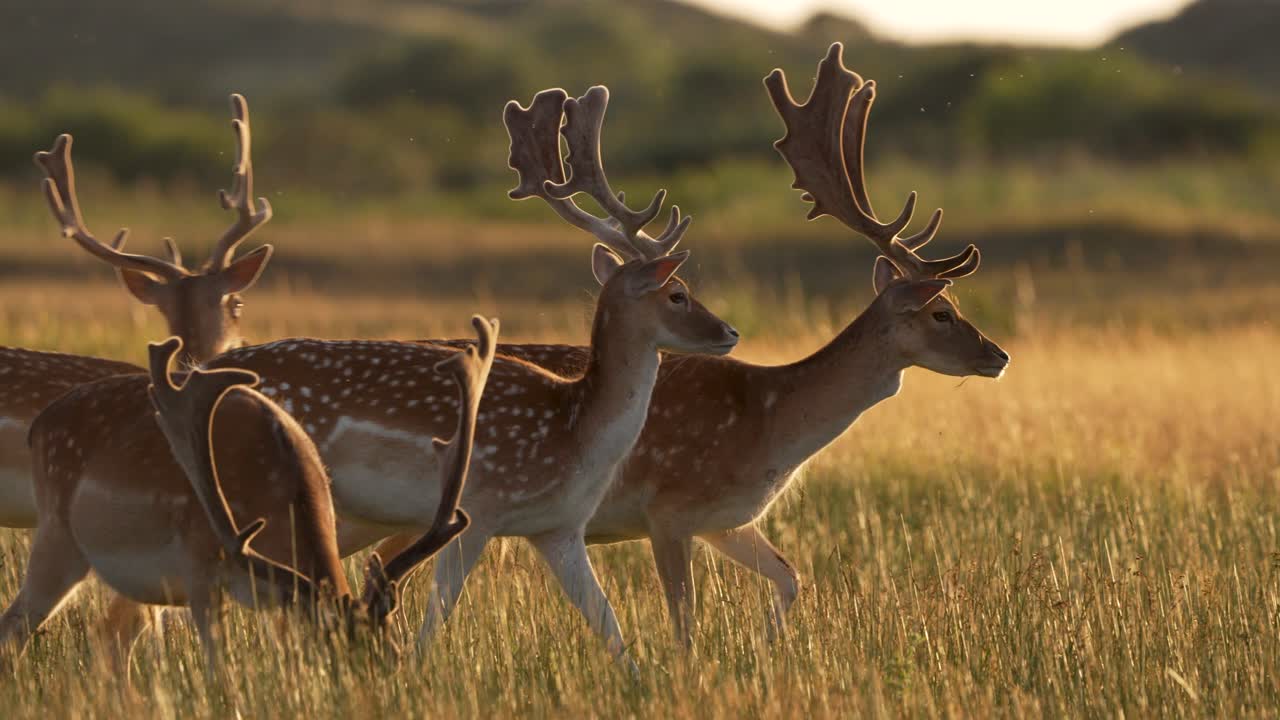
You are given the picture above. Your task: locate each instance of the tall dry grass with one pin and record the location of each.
(1093, 535)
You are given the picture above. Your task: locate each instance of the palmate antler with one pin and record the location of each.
(185, 416)
(470, 370)
(535, 155)
(824, 146)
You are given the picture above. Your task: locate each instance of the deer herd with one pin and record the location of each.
(227, 468)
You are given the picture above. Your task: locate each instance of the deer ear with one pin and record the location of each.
(884, 273)
(243, 273)
(653, 274)
(604, 263)
(141, 286)
(911, 297)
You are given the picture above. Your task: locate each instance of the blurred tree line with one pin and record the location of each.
(405, 96)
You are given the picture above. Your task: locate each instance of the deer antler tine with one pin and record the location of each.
(240, 197)
(646, 216)
(674, 232)
(470, 369)
(171, 247)
(958, 266)
(904, 218)
(776, 84)
(922, 238)
(59, 186)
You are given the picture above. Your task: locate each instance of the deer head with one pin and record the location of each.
(200, 306)
(636, 271)
(824, 146)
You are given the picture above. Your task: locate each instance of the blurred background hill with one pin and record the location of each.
(1230, 40)
(399, 93)
(378, 136)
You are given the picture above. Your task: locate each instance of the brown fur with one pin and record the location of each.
(724, 438)
(108, 490)
(29, 381)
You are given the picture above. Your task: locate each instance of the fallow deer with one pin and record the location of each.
(145, 494)
(725, 438)
(549, 445)
(201, 306)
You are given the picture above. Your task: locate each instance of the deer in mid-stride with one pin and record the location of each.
(725, 438)
(141, 481)
(548, 446)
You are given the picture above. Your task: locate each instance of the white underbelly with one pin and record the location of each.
(381, 476)
(621, 514)
(134, 541)
(390, 478)
(159, 575)
(571, 501)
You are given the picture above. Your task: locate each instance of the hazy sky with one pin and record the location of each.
(1064, 22)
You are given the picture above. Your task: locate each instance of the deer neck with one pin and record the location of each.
(821, 396)
(612, 396)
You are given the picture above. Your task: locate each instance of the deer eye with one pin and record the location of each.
(943, 316)
(235, 306)
(678, 298)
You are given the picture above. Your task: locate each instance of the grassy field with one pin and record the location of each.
(1093, 535)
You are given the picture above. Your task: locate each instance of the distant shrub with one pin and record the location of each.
(132, 136)
(1114, 107)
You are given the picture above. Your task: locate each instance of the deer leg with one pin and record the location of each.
(206, 607)
(55, 568)
(453, 565)
(566, 554)
(673, 554)
(747, 547)
(126, 620)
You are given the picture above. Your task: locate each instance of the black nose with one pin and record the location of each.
(729, 329)
(999, 352)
